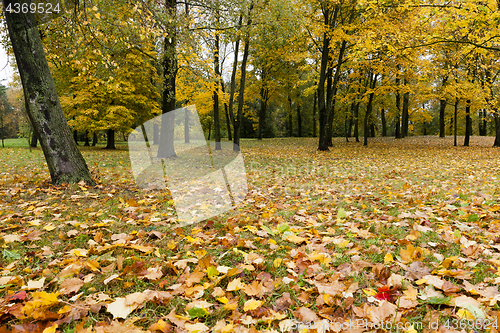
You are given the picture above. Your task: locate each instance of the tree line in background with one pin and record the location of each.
(266, 68)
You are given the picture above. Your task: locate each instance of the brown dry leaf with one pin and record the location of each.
(331, 289)
(449, 287)
(417, 270)
(194, 278)
(115, 326)
(283, 303)
(433, 280)
(383, 311)
(160, 326)
(70, 286)
(176, 319)
(153, 273)
(305, 315)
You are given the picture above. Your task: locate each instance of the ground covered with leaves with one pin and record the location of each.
(403, 235)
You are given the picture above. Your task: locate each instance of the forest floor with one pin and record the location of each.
(402, 235)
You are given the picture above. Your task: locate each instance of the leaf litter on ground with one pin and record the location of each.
(402, 231)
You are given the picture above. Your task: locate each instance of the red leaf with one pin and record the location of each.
(19, 295)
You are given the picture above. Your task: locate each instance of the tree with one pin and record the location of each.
(65, 161)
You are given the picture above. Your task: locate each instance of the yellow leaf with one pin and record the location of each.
(465, 314)
(388, 258)
(252, 304)
(223, 300)
(295, 239)
(50, 329)
(370, 292)
(235, 285)
(277, 262)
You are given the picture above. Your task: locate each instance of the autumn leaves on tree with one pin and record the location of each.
(268, 68)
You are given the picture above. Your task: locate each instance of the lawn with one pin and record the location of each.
(402, 233)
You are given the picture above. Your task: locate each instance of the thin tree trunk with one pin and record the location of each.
(299, 121)
(290, 118)
(356, 121)
(331, 109)
(442, 109)
(369, 107)
(384, 122)
(468, 124)
(264, 97)
(65, 162)
(315, 134)
(226, 110)
(166, 147)
(232, 88)
(455, 122)
(398, 110)
(94, 139)
(34, 140)
(322, 110)
(75, 137)
(216, 92)
(404, 117)
(239, 118)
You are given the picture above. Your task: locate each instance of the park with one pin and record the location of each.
(250, 166)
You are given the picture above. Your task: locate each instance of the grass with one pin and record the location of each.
(387, 189)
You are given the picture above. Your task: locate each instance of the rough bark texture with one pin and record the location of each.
(34, 140)
(166, 147)
(65, 162)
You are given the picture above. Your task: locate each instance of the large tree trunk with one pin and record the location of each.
(110, 135)
(94, 139)
(241, 99)
(166, 146)
(87, 141)
(64, 160)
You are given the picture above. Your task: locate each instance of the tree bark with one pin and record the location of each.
(94, 139)
(64, 160)
(497, 129)
(356, 121)
(232, 88)
(314, 133)
(442, 109)
(87, 141)
(110, 136)
(369, 107)
(226, 110)
(398, 110)
(468, 124)
(299, 121)
(290, 117)
(384, 122)
(34, 140)
(216, 92)
(264, 97)
(455, 122)
(166, 146)
(241, 99)
(404, 117)
(322, 110)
